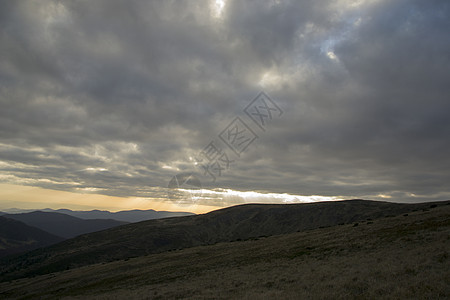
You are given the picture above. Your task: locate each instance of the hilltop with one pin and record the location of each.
(230, 224)
(400, 257)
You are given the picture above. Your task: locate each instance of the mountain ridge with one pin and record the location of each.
(63, 225)
(17, 237)
(230, 224)
(384, 258)
(132, 216)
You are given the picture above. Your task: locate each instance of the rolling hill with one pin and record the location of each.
(230, 224)
(63, 225)
(402, 257)
(130, 216)
(17, 237)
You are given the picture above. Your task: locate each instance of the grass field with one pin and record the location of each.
(401, 257)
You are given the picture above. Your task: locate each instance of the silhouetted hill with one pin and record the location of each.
(63, 225)
(17, 237)
(131, 216)
(403, 257)
(230, 224)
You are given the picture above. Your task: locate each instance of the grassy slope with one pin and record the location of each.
(393, 257)
(230, 224)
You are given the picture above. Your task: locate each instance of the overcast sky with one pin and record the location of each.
(117, 97)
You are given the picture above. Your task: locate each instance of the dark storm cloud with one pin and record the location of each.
(116, 96)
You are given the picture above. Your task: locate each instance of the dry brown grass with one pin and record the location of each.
(400, 257)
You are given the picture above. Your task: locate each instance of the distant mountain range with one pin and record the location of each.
(130, 216)
(63, 225)
(24, 230)
(230, 224)
(17, 237)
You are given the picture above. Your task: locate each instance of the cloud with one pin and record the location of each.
(104, 96)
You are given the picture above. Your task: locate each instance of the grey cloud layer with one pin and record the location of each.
(107, 95)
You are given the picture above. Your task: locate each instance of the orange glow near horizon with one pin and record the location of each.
(29, 197)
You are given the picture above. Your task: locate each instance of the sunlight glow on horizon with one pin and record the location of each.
(248, 196)
(30, 197)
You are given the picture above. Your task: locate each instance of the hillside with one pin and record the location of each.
(125, 215)
(63, 225)
(403, 257)
(129, 216)
(225, 225)
(17, 237)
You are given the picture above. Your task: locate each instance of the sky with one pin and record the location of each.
(108, 104)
